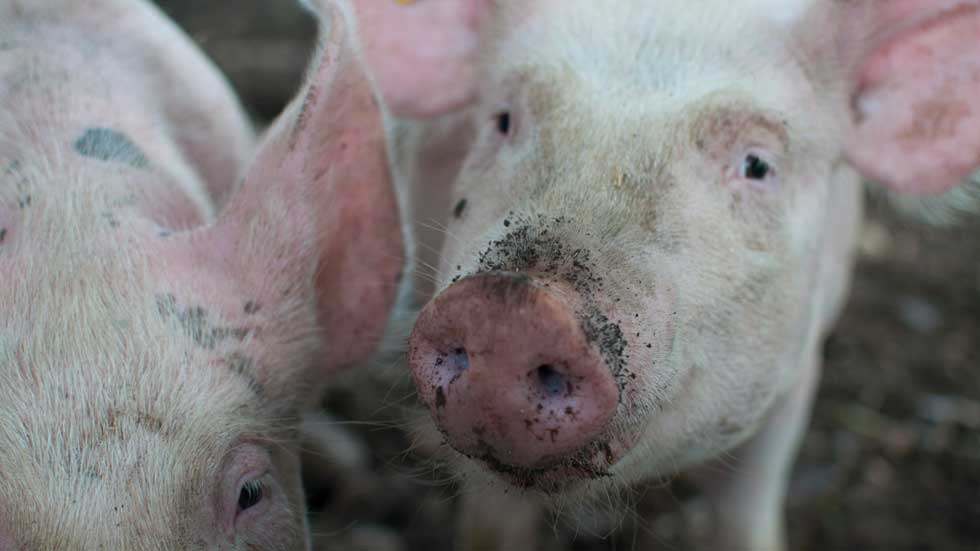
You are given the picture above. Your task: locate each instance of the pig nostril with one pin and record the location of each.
(460, 360)
(550, 380)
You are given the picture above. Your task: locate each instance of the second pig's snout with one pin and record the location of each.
(508, 372)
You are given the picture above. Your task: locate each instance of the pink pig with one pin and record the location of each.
(171, 307)
(652, 209)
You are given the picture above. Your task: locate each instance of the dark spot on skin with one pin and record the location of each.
(729, 428)
(149, 422)
(440, 398)
(460, 208)
(195, 323)
(3, 235)
(302, 121)
(117, 424)
(110, 219)
(506, 223)
(164, 233)
(106, 144)
(251, 307)
(21, 182)
(244, 366)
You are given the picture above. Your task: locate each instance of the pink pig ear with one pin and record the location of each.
(917, 98)
(316, 219)
(422, 52)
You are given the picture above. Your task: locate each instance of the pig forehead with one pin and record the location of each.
(707, 22)
(53, 493)
(679, 49)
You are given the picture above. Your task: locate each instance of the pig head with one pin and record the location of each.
(655, 217)
(156, 358)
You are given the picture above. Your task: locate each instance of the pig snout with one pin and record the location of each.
(505, 367)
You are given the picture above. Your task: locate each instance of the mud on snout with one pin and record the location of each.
(521, 366)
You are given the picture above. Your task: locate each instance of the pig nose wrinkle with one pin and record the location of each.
(537, 391)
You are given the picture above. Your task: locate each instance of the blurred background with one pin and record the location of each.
(891, 461)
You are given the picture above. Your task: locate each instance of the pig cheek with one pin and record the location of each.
(288, 465)
(649, 378)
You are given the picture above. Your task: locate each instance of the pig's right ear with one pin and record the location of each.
(422, 52)
(316, 220)
(917, 96)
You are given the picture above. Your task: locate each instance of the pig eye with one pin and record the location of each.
(503, 122)
(754, 168)
(250, 495)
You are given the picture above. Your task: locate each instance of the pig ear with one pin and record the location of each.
(316, 219)
(917, 101)
(422, 52)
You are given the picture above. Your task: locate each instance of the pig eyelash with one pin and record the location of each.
(250, 495)
(255, 496)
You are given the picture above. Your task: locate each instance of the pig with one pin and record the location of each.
(173, 296)
(642, 218)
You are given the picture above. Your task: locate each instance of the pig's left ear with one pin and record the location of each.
(917, 97)
(316, 219)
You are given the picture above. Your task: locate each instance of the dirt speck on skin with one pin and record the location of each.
(891, 461)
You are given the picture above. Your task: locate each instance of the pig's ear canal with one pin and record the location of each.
(917, 105)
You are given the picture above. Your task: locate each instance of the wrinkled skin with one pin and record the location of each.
(681, 178)
(165, 328)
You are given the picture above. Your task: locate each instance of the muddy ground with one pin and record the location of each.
(890, 463)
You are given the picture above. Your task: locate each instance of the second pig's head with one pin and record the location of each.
(154, 377)
(653, 224)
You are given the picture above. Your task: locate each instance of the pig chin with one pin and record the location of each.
(566, 476)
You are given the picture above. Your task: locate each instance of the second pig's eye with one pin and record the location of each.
(502, 121)
(250, 495)
(755, 168)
